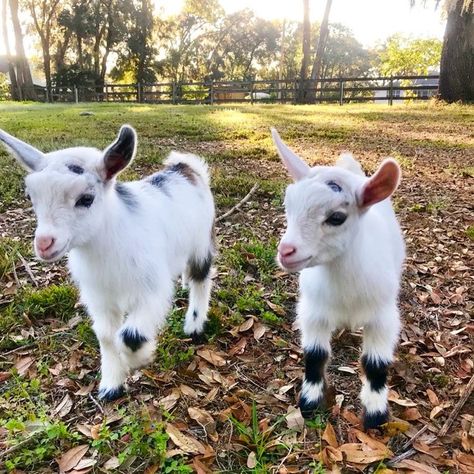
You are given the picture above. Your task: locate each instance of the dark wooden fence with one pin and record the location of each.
(336, 90)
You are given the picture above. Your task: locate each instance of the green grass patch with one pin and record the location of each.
(54, 301)
(10, 251)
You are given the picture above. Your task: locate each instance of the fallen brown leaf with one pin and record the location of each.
(71, 458)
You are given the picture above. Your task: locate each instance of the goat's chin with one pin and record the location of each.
(55, 256)
(297, 266)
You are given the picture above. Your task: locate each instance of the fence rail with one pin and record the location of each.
(330, 90)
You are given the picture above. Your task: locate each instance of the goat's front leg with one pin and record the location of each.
(200, 284)
(113, 370)
(137, 336)
(380, 339)
(316, 342)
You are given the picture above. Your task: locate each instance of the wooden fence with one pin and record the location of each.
(335, 90)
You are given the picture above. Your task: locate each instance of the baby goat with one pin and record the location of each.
(342, 234)
(127, 241)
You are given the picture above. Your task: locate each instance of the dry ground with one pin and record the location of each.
(228, 406)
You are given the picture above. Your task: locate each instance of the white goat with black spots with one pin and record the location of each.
(127, 241)
(344, 238)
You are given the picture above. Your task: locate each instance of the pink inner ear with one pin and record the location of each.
(381, 185)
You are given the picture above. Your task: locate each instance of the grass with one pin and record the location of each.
(236, 143)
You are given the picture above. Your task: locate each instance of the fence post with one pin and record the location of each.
(341, 92)
(390, 92)
(211, 91)
(76, 95)
(106, 86)
(174, 93)
(251, 93)
(139, 92)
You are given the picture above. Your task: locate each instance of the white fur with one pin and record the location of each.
(350, 274)
(124, 258)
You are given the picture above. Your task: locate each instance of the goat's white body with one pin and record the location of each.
(133, 255)
(350, 290)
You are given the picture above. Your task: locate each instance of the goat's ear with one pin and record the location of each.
(297, 168)
(381, 185)
(28, 156)
(120, 153)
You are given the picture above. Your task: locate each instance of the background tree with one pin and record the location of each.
(456, 81)
(303, 83)
(11, 64)
(44, 15)
(320, 49)
(405, 56)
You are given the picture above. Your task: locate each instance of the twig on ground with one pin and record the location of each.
(444, 429)
(20, 445)
(96, 403)
(457, 408)
(18, 284)
(28, 269)
(239, 204)
(414, 438)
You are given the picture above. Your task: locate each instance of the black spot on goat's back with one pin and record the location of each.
(184, 170)
(126, 195)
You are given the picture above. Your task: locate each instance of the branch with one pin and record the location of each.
(443, 431)
(239, 204)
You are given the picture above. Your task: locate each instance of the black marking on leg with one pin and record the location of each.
(199, 269)
(309, 407)
(111, 394)
(315, 360)
(376, 372)
(133, 339)
(126, 195)
(195, 315)
(375, 420)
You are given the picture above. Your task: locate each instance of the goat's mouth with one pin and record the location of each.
(293, 265)
(54, 256)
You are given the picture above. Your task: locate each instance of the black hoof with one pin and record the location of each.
(111, 394)
(198, 338)
(375, 420)
(309, 408)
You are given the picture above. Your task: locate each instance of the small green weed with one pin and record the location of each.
(470, 232)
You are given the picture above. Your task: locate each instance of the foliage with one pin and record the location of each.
(4, 87)
(405, 56)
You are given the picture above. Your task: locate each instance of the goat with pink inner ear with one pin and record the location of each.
(343, 237)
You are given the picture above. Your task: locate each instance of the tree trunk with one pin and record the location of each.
(318, 57)
(303, 83)
(456, 80)
(11, 66)
(24, 79)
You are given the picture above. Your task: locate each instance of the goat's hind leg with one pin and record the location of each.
(316, 340)
(379, 343)
(200, 283)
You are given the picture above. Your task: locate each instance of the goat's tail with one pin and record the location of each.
(348, 162)
(197, 164)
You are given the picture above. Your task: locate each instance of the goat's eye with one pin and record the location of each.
(334, 186)
(336, 218)
(85, 200)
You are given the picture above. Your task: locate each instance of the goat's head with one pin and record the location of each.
(68, 189)
(324, 207)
